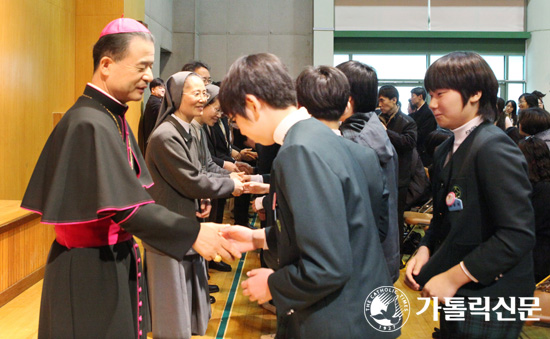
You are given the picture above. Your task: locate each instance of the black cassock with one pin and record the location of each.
(90, 183)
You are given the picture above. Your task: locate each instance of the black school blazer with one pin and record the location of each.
(494, 233)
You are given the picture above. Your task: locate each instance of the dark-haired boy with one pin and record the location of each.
(325, 190)
(360, 124)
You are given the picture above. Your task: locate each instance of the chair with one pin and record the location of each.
(543, 293)
(417, 219)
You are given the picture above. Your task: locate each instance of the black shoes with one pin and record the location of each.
(212, 300)
(219, 266)
(213, 288)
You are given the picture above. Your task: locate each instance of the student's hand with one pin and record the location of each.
(414, 266)
(243, 238)
(260, 210)
(445, 285)
(238, 190)
(247, 154)
(235, 155)
(257, 204)
(244, 167)
(228, 165)
(238, 175)
(206, 208)
(210, 243)
(256, 188)
(256, 287)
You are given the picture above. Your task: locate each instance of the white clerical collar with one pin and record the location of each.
(185, 125)
(289, 121)
(105, 93)
(196, 123)
(462, 132)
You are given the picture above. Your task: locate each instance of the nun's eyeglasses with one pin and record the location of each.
(198, 94)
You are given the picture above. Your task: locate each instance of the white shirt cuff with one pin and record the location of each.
(258, 203)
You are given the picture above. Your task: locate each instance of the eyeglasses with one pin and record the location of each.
(198, 94)
(219, 112)
(207, 81)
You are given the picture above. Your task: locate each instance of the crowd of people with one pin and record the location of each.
(330, 163)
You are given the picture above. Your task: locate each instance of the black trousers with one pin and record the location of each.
(242, 205)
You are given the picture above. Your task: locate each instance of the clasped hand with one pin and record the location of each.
(256, 188)
(256, 287)
(210, 243)
(441, 286)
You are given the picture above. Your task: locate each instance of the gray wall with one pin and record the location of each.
(158, 16)
(219, 31)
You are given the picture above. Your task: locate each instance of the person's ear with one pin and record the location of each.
(105, 65)
(253, 105)
(476, 97)
(351, 104)
(394, 100)
(348, 111)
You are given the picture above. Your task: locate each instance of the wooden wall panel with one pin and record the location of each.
(46, 61)
(24, 247)
(37, 64)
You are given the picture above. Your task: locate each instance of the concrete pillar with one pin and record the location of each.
(537, 49)
(323, 32)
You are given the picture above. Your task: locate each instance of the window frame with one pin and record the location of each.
(431, 43)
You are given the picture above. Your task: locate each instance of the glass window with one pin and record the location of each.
(390, 66)
(496, 62)
(339, 58)
(434, 57)
(514, 91)
(515, 67)
(405, 71)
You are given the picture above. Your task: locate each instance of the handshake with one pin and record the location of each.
(240, 173)
(228, 244)
(226, 241)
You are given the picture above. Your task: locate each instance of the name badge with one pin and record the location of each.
(456, 205)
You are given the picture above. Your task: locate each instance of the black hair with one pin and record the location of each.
(156, 82)
(538, 94)
(513, 115)
(261, 75)
(388, 91)
(500, 121)
(530, 99)
(467, 73)
(419, 91)
(537, 154)
(193, 65)
(534, 120)
(363, 85)
(324, 91)
(435, 138)
(115, 46)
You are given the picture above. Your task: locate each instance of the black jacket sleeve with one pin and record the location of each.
(168, 232)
